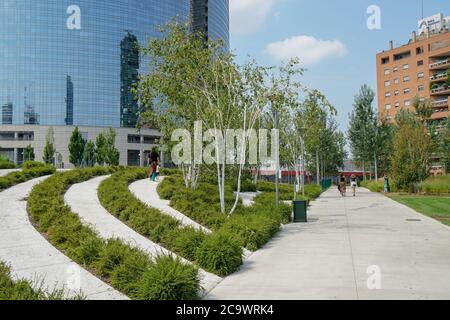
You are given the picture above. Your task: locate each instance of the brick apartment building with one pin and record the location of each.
(420, 68)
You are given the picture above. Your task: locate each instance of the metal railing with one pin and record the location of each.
(439, 63)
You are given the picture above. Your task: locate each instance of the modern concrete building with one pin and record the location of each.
(65, 64)
(420, 69)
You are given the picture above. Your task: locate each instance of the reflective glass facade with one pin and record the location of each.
(59, 66)
(212, 18)
(218, 20)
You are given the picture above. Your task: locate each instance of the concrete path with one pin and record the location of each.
(4, 172)
(83, 200)
(145, 191)
(247, 198)
(342, 250)
(32, 257)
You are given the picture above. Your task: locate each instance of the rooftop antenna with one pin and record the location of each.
(422, 9)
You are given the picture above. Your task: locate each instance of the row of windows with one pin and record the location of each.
(420, 75)
(387, 71)
(420, 88)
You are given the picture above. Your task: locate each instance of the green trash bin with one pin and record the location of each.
(300, 211)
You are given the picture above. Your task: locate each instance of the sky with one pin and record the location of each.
(331, 38)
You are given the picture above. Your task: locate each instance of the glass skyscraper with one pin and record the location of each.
(70, 63)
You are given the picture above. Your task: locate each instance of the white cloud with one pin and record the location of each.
(307, 48)
(249, 16)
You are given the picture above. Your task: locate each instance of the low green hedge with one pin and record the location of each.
(24, 289)
(24, 175)
(115, 196)
(312, 191)
(437, 185)
(252, 227)
(126, 268)
(7, 165)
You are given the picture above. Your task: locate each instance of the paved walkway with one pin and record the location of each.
(83, 200)
(145, 191)
(330, 257)
(32, 257)
(4, 172)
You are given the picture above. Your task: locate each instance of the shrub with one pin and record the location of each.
(169, 279)
(113, 260)
(221, 253)
(150, 222)
(437, 185)
(7, 165)
(26, 174)
(33, 164)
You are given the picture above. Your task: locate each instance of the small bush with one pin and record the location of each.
(152, 223)
(437, 185)
(220, 252)
(24, 175)
(115, 261)
(169, 279)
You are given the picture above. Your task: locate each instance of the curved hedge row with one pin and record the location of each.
(218, 253)
(127, 269)
(252, 226)
(30, 171)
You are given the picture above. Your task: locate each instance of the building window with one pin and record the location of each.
(395, 69)
(388, 107)
(420, 75)
(397, 104)
(420, 63)
(406, 91)
(387, 94)
(387, 71)
(405, 66)
(406, 79)
(396, 81)
(387, 83)
(402, 55)
(384, 60)
(421, 87)
(419, 50)
(407, 103)
(396, 92)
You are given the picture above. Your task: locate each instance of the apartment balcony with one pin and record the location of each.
(442, 64)
(439, 77)
(440, 103)
(443, 90)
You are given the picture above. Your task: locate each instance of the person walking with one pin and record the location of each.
(154, 166)
(342, 186)
(158, 167)
(354, 184)
(387, 188)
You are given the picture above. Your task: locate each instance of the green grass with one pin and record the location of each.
(126, 268)
(437, 207)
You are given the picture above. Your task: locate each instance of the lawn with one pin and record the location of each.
(437, 207)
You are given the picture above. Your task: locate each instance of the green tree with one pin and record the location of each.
(412, 147)
(112, 154)
(101, 149)
(49, 149)
(444, 145)
(76, 148)
(89, 154)
(364, 139)
(28, 153)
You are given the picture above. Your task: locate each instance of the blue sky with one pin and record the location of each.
(335, 31)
